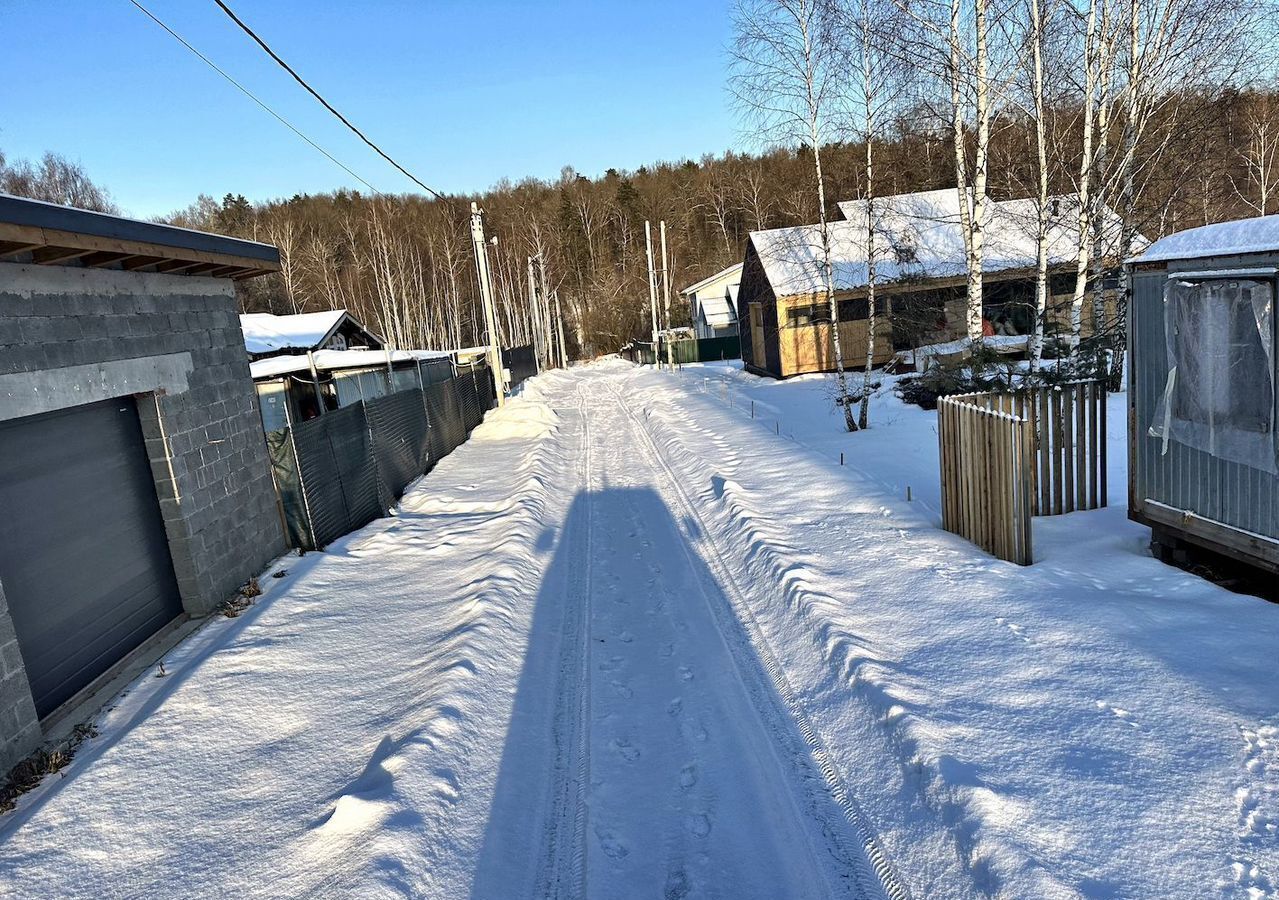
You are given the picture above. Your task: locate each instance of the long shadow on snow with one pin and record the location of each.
(194, 651)
(538, 759)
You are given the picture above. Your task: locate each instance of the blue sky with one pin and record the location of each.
(463, 94)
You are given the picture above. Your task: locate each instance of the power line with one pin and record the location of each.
(298, 78)
(252, 97)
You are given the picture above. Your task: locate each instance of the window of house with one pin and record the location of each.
(856, 309)
(1220, 392)
(813, 314)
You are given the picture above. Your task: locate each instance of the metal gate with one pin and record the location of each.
(84, 560)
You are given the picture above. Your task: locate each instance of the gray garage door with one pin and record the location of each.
(83, 557)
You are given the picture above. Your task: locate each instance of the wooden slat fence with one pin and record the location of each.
(986, 460)
(1006, 457)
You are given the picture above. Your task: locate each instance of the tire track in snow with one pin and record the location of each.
(562, 871)
(788, 724)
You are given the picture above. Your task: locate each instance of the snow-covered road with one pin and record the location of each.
(627, 642)
(673, 768)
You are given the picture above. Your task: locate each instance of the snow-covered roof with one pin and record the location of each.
(266, 333)
(1257, 235)
(328, 360)
(732, 272)
(918, 236)
(718, 311)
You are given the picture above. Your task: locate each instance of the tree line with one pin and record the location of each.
(404, 263)
(851, 99)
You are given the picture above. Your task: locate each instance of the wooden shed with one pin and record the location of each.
(1203, 455)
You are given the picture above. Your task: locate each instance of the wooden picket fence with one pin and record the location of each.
(1007, 457)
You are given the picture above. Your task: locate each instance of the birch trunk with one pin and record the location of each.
(955, 73)
(981, 168)
(1041, 217)
(868, 99)
(1083, 190)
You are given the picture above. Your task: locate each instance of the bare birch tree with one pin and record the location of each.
(1260, 155)
(786, 76)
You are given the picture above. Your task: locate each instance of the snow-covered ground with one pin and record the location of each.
(629, 642)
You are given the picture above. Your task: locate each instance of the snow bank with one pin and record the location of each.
(519, 420)
(1096, 725)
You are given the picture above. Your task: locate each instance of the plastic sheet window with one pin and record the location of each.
(1219, 396)
(404, 379)
(273, 403)
(352, 387)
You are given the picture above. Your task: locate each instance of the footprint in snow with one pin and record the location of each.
(698, 824)
(686, 673)
(688, 776)
(622, 690)
(675, 707)
(610, 843)
(1122, 714)
(1019, 630)
(667, 650)
(694, 731)
(624, 749)
(612, 664)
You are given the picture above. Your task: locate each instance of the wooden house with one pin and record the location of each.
(1203, 452)
(920, 263)
(712, 303)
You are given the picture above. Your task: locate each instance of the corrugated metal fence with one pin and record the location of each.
(340, 471)
(1007, 457)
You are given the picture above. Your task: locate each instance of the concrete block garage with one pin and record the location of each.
(134, 483)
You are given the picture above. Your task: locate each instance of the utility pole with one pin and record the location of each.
(535, 320)
(547, 318)
(486, 297)
(666, 284)
(652, 289)
(559, 314)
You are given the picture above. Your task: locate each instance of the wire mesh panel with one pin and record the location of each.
(338, 472)
(433, 401)
(339, 478)
(397, 425)
(468, 401)
(485, 390)
(288, 487)
(521, 362)
(436, 370)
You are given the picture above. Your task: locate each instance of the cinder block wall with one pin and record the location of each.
(71, 336)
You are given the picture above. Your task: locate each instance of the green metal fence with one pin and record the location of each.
(703, 350)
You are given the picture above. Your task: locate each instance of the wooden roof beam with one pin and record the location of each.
(175, 266)
(132, 263)
(48, 256)
(101, 258)
(9, 248)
